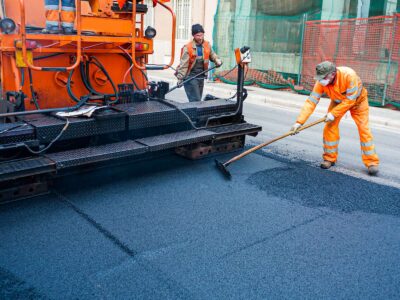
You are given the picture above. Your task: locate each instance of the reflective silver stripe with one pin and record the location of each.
(334, 143)
(352, 90)
(67, 8)
(316, 95)
(351, 97)
(51, 23)
(51, 7)
(312, 100)
(355, 96)
(367, 144)
(371, 152)
(67, 24)
(337, 101)
(326, 150)
(359, 90)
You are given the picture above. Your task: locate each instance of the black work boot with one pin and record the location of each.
(68, 30)
(373, 170)
(326, 164)
(51, 30)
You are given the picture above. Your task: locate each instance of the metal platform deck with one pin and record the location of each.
(122, 131)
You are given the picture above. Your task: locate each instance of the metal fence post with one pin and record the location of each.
(389, 60)
(301, 47)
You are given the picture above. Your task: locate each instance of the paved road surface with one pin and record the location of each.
(176, 229)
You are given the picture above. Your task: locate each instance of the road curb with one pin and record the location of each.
(378, 116)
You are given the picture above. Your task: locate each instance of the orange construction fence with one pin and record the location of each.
(370, 46)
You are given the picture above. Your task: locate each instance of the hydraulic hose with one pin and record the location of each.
(69, 90)
(210, 118)
(103, 69)
(84, 70)
(51, 143)
(33, 93)
(22, 76)
(128, 58)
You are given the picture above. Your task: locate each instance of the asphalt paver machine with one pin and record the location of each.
(71, 102)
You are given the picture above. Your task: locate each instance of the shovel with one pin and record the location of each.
(223, 166)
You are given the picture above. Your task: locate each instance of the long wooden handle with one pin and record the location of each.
(272, 141)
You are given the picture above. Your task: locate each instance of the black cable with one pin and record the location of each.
(87, 74)
(33, 93)
(128, 58)
(47, 56)
(12, 128)
(22, 76)
(144, 74)
(84, 71)
(103, 69)
(213, 117)
(170, 67)
(69, 90)
(51, 143)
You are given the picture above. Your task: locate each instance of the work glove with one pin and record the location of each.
(218, 62)
(180, 83)
(295, 128)
(329, 117)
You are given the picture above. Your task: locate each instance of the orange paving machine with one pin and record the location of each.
(82, 98)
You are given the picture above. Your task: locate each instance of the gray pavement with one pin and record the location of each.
(290, 100)
(171, 228)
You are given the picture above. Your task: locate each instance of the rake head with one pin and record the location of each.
(220, 166)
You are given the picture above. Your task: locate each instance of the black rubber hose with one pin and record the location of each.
(22, 76)
(47, 56)
(128, 58)
(69, 90)
(103, 69)
(87, 70)
(33, 93)
(84, 77)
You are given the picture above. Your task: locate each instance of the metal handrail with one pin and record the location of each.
(163, 66)
(24, 49)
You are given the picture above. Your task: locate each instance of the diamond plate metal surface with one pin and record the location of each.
(48, 127)
(237, 129)
(25, 167)
(213, 107)
(16, 132)
(153, 114)
(95, 154)
(173, 140)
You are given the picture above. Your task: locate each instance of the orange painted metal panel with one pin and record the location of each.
(50, 85)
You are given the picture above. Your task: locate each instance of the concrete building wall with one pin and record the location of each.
(202, 11)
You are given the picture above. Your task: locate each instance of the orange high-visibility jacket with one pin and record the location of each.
(188, 58)
(346, 91)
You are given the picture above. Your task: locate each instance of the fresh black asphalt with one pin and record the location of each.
(177, 229)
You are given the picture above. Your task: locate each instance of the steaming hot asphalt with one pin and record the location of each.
(176, 229)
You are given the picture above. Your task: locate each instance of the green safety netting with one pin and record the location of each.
(285, 40)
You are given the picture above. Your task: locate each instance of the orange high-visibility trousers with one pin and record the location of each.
(360, 114)
(67, 15)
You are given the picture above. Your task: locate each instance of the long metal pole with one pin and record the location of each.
(240, 84)
(389, 60)
(301, 47)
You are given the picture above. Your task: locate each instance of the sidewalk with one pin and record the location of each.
(378, 116)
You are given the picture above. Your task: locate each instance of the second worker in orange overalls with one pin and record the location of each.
(195, 58)
(343, 86)
(55, 18)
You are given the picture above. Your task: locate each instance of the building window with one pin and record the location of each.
(183, 10)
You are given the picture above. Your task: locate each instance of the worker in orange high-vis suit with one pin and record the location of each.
(195, 57)
(55, 18)
(343, 86)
